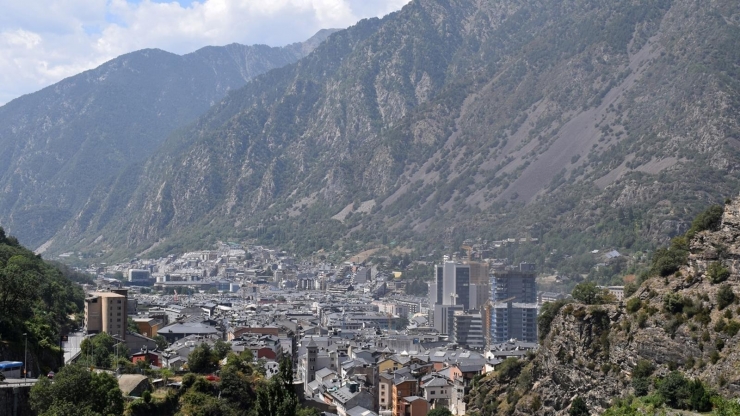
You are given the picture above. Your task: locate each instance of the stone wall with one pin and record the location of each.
(14, 401)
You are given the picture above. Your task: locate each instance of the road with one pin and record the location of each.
(72, 346)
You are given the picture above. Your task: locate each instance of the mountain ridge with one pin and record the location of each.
(58, 143)
(571, 122)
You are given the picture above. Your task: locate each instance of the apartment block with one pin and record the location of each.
(106, 312)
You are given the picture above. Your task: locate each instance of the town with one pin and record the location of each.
(359, 344)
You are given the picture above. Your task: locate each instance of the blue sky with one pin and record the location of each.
(44, 42)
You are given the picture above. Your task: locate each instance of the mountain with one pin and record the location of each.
(584, 124)
(58, 144)
(675, 327)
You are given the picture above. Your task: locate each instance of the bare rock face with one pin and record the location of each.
(721, 245)
(674, 322)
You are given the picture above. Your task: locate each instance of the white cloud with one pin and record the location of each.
(44, 42)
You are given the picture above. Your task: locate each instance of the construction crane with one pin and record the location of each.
(468, 250)
(488, 308)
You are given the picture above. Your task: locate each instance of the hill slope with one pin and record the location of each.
(607, 123)
(58, 144)
(687, 320)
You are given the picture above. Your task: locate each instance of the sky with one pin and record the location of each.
(45, 41)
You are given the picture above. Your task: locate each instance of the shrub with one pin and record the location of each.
(707, 220)
(732, 328)
(643, 369)
(672, 326)
(673, 303)
(630, 289)
(725, 296)
(547, 314)
(720, 325)
(509, 369)
(578, 407)
(717, 273)
(667, 261)
(642, 319)
(633, 305)
(641, 386)
(720, 343)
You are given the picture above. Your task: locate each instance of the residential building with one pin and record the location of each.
(514, 312)
(106, 312)
(480, 280)
(513, 320)
(443, 315)
(467, 330)
(518, 285)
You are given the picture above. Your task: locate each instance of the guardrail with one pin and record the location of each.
(11, 383)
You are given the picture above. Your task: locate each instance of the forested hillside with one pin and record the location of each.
(36, 299)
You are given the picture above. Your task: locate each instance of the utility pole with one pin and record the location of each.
(115, 352)
(25, 358)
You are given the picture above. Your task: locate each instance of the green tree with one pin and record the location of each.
(725, 296)
(221, 349)
(308, 411)
(131, 326)
(166, 374)
(707, 220)
(725, 407)
(401, 323)
(667, 261)
(201, 359)
(440, 411)
(675, 389)
(717, 273)
(276, 397)
(237, 382)
(97, 350)
(588, 293)
(77, 391)
(161, 341)
(578, 407)
(641, 386)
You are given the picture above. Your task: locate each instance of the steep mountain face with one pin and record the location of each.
(686, 321)
(607, 122)
(58, 144)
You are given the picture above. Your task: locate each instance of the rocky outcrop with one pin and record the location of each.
(676, 322)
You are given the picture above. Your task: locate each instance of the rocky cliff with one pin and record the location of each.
(584, 124)
(688, 320)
